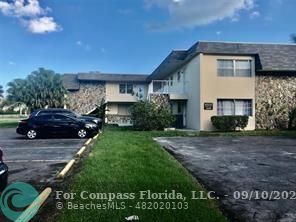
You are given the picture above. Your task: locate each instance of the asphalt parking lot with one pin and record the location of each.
(36, 161)
(230, 165)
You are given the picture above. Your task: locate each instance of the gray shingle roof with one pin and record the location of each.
(269, 57)
(112, 77)
(174, 60)
(72, 81)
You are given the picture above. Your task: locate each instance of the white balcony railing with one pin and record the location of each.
(167, 87)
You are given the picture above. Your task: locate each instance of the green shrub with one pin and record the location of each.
(229, 123)
(292, 119)
(148, 116)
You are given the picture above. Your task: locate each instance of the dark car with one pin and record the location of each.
(56, 125)
(70, 113)
(3, 173)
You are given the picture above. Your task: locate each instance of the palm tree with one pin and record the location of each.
(1, 91)
(17, 91)
(40, 89)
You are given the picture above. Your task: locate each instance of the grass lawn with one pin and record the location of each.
(8, 123)
(124, 161)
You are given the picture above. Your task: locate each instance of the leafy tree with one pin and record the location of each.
(1, 91)
(40, 89)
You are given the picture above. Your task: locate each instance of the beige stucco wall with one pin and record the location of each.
(113, 95)
(113, 115)
(113, 108)
(192, 77)
(215, 87)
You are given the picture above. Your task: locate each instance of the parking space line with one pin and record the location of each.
(35, 161)
(45, 140)
(39, 148)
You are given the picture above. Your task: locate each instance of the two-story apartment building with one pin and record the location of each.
(117, 91)
(208, 79)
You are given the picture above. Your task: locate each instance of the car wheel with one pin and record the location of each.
(31, 134)
(82, 133)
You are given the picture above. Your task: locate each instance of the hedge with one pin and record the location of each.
(229, 123)
(148, 116)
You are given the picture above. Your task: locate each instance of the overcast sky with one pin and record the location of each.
(127, 36)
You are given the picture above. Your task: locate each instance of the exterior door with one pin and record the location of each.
(179, 111)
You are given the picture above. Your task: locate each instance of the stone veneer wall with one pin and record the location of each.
(160, 99)
(275, 97)
(86, 99)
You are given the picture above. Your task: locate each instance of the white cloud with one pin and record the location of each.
(192, 13)
(235, 18)
(11, 63)
(43, 25)
(218, 32)
(31, 14)
(254, 15)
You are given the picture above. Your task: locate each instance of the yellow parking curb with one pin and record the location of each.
(81, 151)
(70, 164)
(88, 142)
(63, 173)
(38, 202)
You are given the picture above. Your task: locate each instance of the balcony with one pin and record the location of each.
(177, 90)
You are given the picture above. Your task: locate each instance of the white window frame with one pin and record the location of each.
(234, 102)
(125, 91)
(234, 67)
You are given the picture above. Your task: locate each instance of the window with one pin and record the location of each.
(227, 107)
(123, 109)
(225, 68)
(61, 118)
(179, 76)
(122, 88)
(126, 88)
(129, 88)
(171, 80)
(241, 68)
(44, 117)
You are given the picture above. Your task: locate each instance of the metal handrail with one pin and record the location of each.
(168, 86)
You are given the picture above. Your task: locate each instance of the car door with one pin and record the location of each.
(44, 124)
(64, 125)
